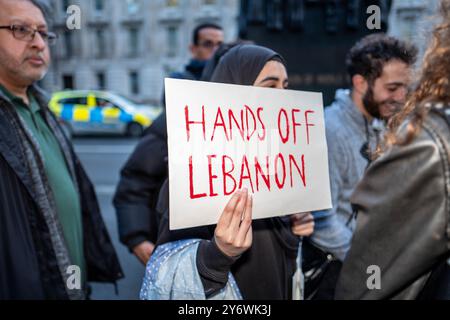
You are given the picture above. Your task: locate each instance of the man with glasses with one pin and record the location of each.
(146, 169)
(206, 39)
(27, 33)
(52, 236)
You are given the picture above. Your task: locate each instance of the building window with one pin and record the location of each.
(99, 5)
(68, 82)
(209, 2)
(172, 3)
(134, 82)
(257, 12)
(101, 82)
(65, 5)
(172, 41)
(407, 28)
(68, 44)
(100, 43)
(132, 6)
(133, 41)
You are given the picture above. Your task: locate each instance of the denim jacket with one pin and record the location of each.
(171, 274)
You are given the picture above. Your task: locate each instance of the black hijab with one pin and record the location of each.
(243, 63)
(265, 270)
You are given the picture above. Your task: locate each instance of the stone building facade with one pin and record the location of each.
(129, 46)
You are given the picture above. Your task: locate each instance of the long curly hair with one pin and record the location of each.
(433, 84)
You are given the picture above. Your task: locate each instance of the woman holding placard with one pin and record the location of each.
(238, 258)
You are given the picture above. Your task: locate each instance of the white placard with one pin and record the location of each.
(222, 138)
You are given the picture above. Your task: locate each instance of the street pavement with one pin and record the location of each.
(103, 158)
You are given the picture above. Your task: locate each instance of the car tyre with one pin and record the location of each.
(135, 130)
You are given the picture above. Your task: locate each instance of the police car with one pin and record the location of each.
(90, 112)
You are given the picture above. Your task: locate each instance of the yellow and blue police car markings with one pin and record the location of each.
(67, 112)
(96, 115)
(81, 114)
(70, 112)
(125, 117)
(121, 115)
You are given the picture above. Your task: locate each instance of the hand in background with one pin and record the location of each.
(143, 251)
(302, 224)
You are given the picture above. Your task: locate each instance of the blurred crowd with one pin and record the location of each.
(387, 235)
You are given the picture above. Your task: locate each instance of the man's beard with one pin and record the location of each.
(373, 106)
(18, 72)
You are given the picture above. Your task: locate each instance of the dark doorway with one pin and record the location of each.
(68, 82)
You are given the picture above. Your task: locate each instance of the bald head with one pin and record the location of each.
(41, 5)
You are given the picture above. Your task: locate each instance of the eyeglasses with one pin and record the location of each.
(25, 33)
(208, 44)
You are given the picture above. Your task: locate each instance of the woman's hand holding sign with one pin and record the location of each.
(233, 234)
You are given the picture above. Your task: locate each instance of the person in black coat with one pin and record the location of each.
(53, 240)
(146, 169)
(138, 189)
